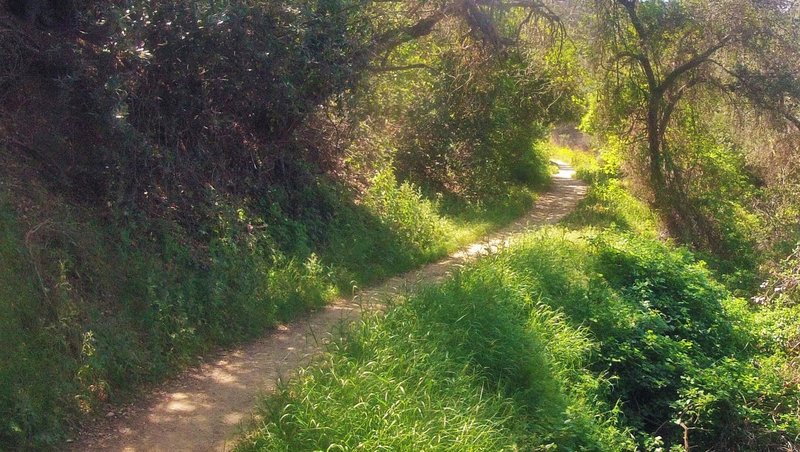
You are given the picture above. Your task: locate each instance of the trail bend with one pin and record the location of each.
(203, 408)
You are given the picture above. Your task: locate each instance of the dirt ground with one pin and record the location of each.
(204, 408)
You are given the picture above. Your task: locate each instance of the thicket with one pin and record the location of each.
(599, 338)
(176, 176)
(698, 99)
(179, 175)
(470, 137)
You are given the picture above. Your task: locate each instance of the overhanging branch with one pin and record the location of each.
(755, 95)
(694, 62)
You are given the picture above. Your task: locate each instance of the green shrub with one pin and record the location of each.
(608, 204)
(473, 134)
(665, 327)
(33, 391)
(592, 340)
(412, 218)
(473, 364)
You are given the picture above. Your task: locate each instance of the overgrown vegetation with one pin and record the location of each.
(599, 338)
(178, 176)
(73, 315)
(676, 85)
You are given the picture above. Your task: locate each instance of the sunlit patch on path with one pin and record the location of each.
(202, 408)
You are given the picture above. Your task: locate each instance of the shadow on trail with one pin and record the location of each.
(202, 408)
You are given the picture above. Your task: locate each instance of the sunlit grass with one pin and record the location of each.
(593, 335)
(478, 363)
(583, 162)
(466, 224)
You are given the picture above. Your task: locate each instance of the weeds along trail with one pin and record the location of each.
(202, 408)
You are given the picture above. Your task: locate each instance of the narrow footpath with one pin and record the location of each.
(204, 408)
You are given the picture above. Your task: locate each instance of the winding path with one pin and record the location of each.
(203, 408)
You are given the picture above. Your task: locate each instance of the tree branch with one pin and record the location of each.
(695, 61)
(673, 103)
(391, 39)
(753, 94)
(641, 33)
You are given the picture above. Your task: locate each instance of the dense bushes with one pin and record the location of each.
(182, 175)
(711, 192)
(472, 135)
(157, 102)
(675, 343)
(601, 339)
(82, 333)
(231, 90)
(164, 99)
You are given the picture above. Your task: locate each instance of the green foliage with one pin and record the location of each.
(779, 212)
(209, 171)
(585, 164)
(99, 334)
(238, 79)
(392, 229)
(474, 364)
(609, 205)
(401, 207)
(711, 194)
(473, 136)
(718, 192)
(368, 399)
(78, 336)
(671, 88)
(586, 338)
(31, 388)
(664, 326)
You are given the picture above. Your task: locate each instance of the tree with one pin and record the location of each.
(653, 55)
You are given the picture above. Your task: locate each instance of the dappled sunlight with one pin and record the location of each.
(205, 407)
(180, 403)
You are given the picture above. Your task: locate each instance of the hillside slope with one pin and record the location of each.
(203, 408)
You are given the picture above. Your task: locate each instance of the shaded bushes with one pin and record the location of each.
(80, 334)
(157, 101)
(180, 175)
(473, 136)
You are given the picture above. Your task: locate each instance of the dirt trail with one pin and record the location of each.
(203, 408)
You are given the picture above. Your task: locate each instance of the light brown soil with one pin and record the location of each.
(203, 408)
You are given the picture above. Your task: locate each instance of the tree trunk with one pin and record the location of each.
(654, 148)
(667, 199)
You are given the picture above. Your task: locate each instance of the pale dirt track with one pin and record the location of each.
(203, 408)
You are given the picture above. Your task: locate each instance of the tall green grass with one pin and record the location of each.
(596, 338)
(570, 340)
(478, 363)
(32, 392)
(91, 310)
(396, 227)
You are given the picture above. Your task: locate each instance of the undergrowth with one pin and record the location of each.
(596, 338)
(93, 310)
(478, 363)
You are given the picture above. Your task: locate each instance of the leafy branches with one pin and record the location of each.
(655, 55)
(484, 19)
